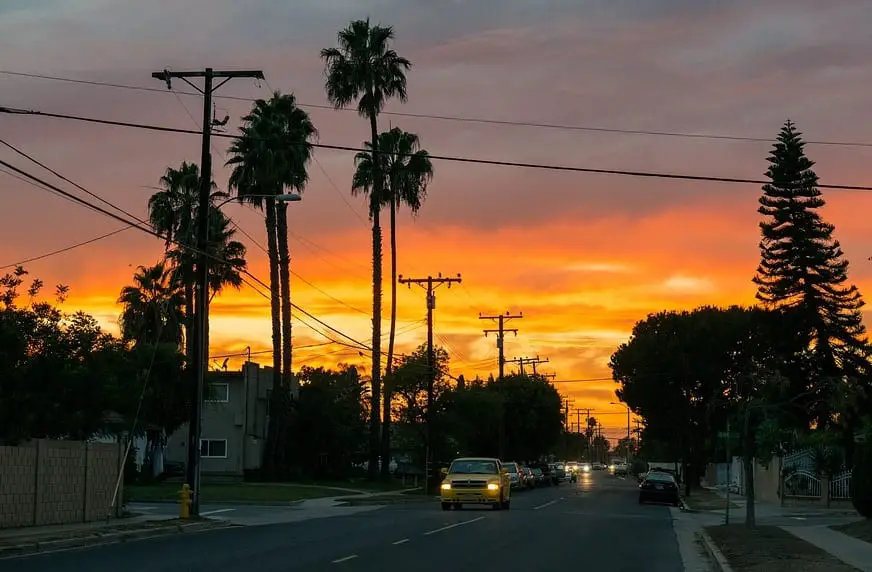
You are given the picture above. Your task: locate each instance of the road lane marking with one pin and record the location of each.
(549, 503)
(455, 525)
(346, 559)
(216, 511)
(401, 541)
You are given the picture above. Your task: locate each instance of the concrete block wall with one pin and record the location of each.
(46, 482)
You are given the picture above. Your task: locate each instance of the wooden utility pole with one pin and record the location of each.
(500, 331)
(537, 362)
(201, 288)
(430, 283)
(522, 361)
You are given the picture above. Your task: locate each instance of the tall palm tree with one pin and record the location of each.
(152, 307)
(365, 69)
(407, 171)
(272, 156)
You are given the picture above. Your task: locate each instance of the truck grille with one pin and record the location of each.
(469, 484)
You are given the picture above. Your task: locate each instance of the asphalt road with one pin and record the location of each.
(596, 523)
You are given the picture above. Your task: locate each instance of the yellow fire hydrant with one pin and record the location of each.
(185, 502)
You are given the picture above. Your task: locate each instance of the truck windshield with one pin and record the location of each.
(473, 467)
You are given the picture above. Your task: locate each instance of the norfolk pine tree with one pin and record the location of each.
(803, 270)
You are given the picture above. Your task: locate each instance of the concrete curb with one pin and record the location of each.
(717, 558)
(36, 546)
(229, 502)
(684, 507)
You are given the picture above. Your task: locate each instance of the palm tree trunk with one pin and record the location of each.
(285, 282)
(386, 417)
(274, 451)
(375, 417)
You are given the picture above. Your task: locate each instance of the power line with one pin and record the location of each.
(447, 158)
(65, 249)
(456, 118)
(152, 232)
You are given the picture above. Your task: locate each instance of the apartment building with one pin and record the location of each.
(234, 423)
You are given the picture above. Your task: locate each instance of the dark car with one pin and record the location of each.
(658, 487)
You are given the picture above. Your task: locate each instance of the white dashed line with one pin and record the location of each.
(216, 511)
(403, 541)
(455, 525)
(549, 503)
(346, 559)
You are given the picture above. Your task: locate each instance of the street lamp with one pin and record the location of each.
(283, 198)
(201, 318)
(628, 426)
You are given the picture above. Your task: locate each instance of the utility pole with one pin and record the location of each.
(522, 361)
(201, 289)
(537, 362)
(430, 283)
(500, 332)
(549, 375)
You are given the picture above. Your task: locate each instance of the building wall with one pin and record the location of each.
(57, 482)
(240, 421)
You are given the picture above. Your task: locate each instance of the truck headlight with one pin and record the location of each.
(446, 486)
(493, 487)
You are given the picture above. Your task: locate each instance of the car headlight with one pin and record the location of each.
(493, 486)
(446, 486)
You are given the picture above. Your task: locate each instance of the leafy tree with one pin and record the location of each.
(517, 418)
(532, 415)
(408, 384)
(63, 377)
(270, 157)
(803, 267)
(407, 172)
(365, 69)
(685, 372)
(329, 413)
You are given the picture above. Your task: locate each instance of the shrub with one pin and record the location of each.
(861, 480)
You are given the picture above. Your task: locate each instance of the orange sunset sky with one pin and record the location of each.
(583, 256)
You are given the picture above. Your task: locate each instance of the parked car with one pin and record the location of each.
(539, 477)
(559, 472)
(515, 475)
(529, 480)
(659, 487)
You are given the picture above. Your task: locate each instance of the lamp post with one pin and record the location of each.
(628, 427)
(201, 319)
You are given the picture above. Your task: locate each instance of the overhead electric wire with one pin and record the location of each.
(65, 249)
(152, 232)
(447, 158)
(453, 118)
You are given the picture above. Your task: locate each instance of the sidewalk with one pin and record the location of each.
(801, 523)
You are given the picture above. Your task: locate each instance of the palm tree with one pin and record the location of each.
(172, 212)
(364, 68)
(271, 156)
(407, 171)
(152, 307)
(227, 260)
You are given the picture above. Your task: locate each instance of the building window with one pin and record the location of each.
(218, 393)
(213, 448)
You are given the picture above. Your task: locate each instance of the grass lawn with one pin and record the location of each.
(861, 529)
(705, 499)
(771, 549)
(232, 492)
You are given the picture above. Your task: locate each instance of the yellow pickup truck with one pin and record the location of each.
(475, 480)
